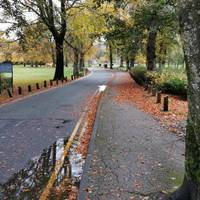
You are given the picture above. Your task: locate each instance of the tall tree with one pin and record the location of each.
(153, 17)
(151, 50)
(110, 47)
(126, 38)
(190, 32)
(84, 26)
(52, 13)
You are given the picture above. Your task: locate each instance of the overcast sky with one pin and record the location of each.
(2, 26)
(31, 16)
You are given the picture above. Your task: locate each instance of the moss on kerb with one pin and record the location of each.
(174, 180)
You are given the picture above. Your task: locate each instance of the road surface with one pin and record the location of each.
(34, 123)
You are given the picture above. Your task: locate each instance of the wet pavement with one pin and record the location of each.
(30, 125)
(130, 156)
(30, 182)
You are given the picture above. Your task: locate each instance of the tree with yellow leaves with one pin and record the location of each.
(85, 26)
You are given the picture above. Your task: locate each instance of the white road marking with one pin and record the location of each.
(102, 88)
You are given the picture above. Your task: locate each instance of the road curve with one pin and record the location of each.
(28, 126)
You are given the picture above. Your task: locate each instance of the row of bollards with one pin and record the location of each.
(37, 86)
(76, 76)
(158, 95)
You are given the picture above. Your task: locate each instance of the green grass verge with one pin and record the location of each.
(29, 75)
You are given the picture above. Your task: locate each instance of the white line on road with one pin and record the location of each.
(102, 88)
(52, 179)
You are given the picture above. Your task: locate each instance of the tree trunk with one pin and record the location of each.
(75, 65)
(162, 55)
(160, 63)
(53, 56)
(81, 62)
(127, 63)
(190, 29)
(59, 73)
(121, 61)
(66, 60)
(132, 60)
(151, 50)
(111, 56)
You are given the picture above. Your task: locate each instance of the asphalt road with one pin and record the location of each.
(32, 124)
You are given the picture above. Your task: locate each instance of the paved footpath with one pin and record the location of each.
(131, 156)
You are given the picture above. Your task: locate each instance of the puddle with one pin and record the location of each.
(30, 182)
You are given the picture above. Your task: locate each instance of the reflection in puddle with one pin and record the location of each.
(30, 182)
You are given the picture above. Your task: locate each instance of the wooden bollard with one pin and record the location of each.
(19, 90)
(51, 83)
(37, 86)
(166, 104)
(45, 84)
(62, 80)
(72, 77)
(9, 93)
(158, 99)
(29, 88)
(57, 82)
(66, 79)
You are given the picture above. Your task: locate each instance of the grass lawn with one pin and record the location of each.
(29, 75)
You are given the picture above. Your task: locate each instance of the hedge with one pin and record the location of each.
(168, 80)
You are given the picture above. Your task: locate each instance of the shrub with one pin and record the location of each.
(139, 74)
(168, 80)
(174, 86)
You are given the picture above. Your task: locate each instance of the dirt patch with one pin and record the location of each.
(131, 92)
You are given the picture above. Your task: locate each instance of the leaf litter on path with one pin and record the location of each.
(130, 92)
